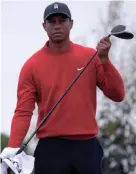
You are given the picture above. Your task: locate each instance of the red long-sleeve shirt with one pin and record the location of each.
(44, 78)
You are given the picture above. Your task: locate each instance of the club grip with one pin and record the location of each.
(21, 149)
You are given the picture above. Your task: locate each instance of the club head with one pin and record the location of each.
(122, 32)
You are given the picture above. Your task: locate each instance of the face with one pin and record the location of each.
(58, 27)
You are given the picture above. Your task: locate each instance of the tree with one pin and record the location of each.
(4, 140)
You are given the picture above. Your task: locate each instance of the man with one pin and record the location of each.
(67, 141)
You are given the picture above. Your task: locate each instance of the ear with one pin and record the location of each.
(44, 26)
(71, 22)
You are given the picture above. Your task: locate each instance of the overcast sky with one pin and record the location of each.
(22, 35)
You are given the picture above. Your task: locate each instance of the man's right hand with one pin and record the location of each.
(8, 152)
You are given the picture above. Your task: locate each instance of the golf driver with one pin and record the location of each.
(119, 31)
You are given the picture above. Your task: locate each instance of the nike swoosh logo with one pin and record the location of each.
(79, 69)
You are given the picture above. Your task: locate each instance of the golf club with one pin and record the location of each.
(119, 31)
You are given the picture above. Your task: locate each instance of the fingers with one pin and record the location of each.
(105, 41)
(104, 44)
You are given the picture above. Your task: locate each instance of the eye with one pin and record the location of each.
(50, 21)
(63, 20)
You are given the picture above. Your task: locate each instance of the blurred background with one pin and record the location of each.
(22, 35)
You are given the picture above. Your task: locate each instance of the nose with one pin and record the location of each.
(57, 24)
(57, 27)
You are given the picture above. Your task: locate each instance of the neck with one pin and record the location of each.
(59, 46)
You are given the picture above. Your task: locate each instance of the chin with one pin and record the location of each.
(58, 40)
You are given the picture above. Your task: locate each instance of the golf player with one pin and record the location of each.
(67, 142)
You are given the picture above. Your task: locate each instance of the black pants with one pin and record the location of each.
(61, 156)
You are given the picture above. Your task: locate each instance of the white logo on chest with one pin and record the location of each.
(79, 69)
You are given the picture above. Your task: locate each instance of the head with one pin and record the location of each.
(57, 22)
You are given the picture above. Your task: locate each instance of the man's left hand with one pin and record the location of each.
(103, 48)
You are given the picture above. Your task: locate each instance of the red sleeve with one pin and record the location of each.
(109, 80)
(26, 97)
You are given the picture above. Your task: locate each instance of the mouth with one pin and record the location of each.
(57, 34)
